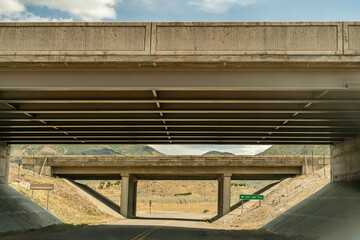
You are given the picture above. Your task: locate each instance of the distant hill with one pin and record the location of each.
(28, 150)
(217, 153)
(101, 151)
(296, 150)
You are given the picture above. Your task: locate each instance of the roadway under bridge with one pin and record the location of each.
(130, 169)
(182, 83)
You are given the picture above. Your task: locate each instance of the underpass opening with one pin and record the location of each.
(298, 83)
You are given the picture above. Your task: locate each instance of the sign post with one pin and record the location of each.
(47, 187)
(149, 206)
(249, 197)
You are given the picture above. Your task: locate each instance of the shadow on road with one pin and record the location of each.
(146, 230)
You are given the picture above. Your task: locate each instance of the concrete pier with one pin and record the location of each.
(4, 162)
(346, 160)
(128, 195)
(224, 194)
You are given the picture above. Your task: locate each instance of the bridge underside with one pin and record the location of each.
(179, 107)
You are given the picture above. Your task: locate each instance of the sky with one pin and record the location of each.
(182, 10)
(179, 10)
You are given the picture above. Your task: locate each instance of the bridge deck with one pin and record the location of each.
(179, 83)
(175, 167)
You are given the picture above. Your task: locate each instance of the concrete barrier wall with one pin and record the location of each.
(346, 160)
(74, 38)
(246, 38)
(201, 38)
(351, 38)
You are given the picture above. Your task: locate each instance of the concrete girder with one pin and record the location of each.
(184, 80)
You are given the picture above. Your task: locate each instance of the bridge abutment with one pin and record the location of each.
(128, 195)
(345, 157)
(224, 194)
(4, 162)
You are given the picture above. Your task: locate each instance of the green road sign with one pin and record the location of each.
(251, 197)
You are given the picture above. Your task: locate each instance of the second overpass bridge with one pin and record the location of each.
(132, 168)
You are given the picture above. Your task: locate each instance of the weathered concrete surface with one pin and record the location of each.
(4, 162)
(246, 38)
(174, 44)
(224, 194)
(345, 159)
(74, 39)
(102, 202)
(128, 195)
(331, 213)
(18, 213)
(206, 167)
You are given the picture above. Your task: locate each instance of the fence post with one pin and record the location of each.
(242, 207)
(47, 205)
(324, 165)
(312, 161)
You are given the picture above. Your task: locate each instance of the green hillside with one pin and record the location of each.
(217, 153)
(297, 150)
(28, 150)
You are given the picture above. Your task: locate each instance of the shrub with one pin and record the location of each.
(182, 194)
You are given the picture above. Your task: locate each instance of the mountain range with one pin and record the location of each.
(29, 150)
(297, 150)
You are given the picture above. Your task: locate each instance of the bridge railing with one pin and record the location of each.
(173, 38)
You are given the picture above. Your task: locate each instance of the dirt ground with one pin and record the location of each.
(277, 200)
(64, 202)
(198, 197)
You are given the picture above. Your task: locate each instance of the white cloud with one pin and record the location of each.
(30, 17)
(11, 7)
(86, 10)
(219, 6)
(201, 149)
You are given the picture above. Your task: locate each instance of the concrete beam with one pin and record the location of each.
(345, 159)
(4, 162)
(179, 80)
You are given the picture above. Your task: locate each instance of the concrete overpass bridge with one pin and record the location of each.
(132, 168)
(182, 83)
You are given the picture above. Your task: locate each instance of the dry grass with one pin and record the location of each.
(203, 198)
(277, 200)
(65, 203)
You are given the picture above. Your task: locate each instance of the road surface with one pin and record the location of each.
(145, 229)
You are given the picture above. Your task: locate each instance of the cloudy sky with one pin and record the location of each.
(179, 10)
(182, 10)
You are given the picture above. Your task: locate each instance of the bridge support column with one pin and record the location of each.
(128, 195)
(345, 160)
(224, 194)
(4, 162)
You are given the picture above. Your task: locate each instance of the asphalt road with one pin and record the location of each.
(157, 226)
(145, 229)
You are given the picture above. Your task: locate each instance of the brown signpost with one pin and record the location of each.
(36, 186)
